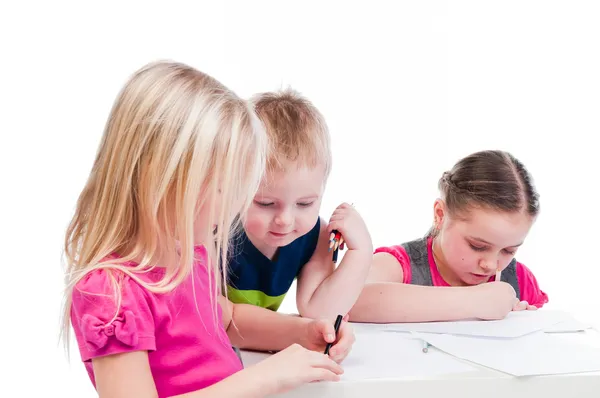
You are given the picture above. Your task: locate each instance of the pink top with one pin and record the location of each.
(188, 348)
(528, 286)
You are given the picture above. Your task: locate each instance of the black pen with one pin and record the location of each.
(336, 326)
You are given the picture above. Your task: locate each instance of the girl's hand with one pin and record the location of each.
(523, 306)
(320, 332)
(494, 301)
(293, 367)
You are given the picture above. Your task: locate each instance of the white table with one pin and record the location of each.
(483, 382)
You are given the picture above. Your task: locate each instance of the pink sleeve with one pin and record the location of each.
(102, 327)
(401, 256)
(528, 287)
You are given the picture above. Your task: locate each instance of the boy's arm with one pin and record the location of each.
(324, 291)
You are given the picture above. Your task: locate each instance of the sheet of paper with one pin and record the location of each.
(516, 324)
(391, 355)
(380, 355)
(568, 326)
(534, 354)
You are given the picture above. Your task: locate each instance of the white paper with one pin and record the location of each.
(382, 355)
(535, 354)
(516, 324)
(391, 355)
(568, 326)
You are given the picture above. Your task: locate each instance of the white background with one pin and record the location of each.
(407, 88)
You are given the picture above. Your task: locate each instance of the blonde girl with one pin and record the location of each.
(181, 155)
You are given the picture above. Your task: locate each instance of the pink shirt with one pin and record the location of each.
(188, 349)
(528, 286)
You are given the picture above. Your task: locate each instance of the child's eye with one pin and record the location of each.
(305, 204)
(509, 252)
(477, 248)
(263, 204)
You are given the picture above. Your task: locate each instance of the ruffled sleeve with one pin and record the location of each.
(103, 325)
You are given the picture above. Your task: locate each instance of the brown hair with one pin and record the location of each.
(296, 129)
(490, 179)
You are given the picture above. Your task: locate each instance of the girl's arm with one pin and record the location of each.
(385, 299)
(252, 327)
(128, 375)
(124, 375)
(325, 291)
(241, 384)
(260, 329)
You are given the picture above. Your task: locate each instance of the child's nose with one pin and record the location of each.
(283, 218)
(488, 264)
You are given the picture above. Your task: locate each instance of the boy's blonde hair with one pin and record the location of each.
(176, 141)
(297, 130)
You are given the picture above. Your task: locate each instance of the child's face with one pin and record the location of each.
(285, 207)
(474, 247)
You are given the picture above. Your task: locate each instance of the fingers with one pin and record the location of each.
(516, 304)
(337, 224)
(340, 351)
(531, 308)
(338, 215)
(346, 338)
(319, 360)
(520, 306)
(327, 330)
(341, 212)
(319, 374)
(344, 206)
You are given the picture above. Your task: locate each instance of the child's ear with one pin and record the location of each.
(439, 212)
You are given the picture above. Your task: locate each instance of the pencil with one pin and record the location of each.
(425, 346)
(498, 274)
(334, 237)
(335, 244)
(336, 326)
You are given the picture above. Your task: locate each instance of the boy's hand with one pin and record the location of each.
(320, 332)
(350, 224)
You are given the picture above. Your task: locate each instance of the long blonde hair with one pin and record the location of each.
(176, 141)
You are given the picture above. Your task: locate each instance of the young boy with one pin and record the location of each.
(284, 238)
